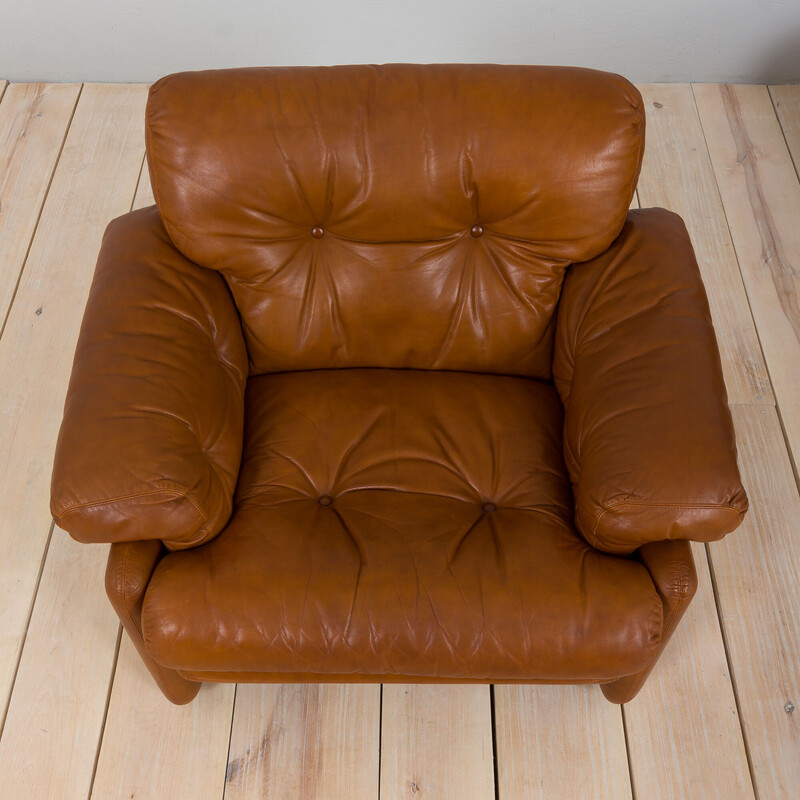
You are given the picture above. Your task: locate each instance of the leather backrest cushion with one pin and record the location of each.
(395, 216)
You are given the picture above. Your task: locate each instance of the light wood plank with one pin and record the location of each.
(56, 713)
(684, 738)
(50, 738)
(33, 123)
(688, 704)
(677, 174)
(559, 741)
(436, 741)
(46, 727)
(155, 750)
(761, 195)
(786, 100)
(94, 181)
(683, 727)
(318, 742)
(756, 571)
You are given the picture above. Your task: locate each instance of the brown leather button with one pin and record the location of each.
(476, 231)
(489, 507)
(325, 500)
(317, 232)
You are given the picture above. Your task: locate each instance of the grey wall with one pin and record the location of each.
(139, 40)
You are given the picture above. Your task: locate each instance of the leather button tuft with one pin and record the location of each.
(489, 507)
(476, 231)
(325, 500)
(317, 232)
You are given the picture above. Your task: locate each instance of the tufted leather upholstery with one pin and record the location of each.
(159, 376)
(637, 367)
(445, 541)
(402, 216)
(390, 386)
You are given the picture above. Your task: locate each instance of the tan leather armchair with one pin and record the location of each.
(391, 386)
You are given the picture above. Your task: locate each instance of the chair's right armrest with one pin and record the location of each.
(151, 440)
(648, 436)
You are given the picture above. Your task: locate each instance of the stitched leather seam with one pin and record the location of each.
(206, 526)
(177, 493)
(184, 493)
(686, 506)
(137, 625)
(119, 498)
(679, 583)
(681, 575)
(670, 505)
(125, 596)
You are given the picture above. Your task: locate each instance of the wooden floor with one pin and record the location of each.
(80, 716)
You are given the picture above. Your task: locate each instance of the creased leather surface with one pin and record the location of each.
(130, 567)
(407, 570)
(671, 566)
(151, 439)
(385, 250)
(341, 204)
(648, 436)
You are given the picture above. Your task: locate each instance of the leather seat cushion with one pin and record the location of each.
(402, 522)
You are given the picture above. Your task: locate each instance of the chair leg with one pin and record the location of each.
(175, 688)
(623, 690)
(671, 566)
(130, 567)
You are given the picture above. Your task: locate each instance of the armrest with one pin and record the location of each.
(648, 436)
(151, 440)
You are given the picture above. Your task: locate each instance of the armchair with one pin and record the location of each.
(390, 385)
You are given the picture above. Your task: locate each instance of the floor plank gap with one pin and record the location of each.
(628, 751)
(13, 297)
(230, 739)
(380, 739)
(7, 703)
(60, 688)
(494, 743)
(677, 174)
(738, 264)
(105, 713)
(731, 670)
(80, 715)
(795, 156)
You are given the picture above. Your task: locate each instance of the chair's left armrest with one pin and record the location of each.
(648, 436)
(151, 440)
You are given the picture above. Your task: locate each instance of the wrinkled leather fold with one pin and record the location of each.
(400, 216)
(648, 436)
(391, 386)
(129, 569)
(402, 522)
(150, 444)
(671, 566)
